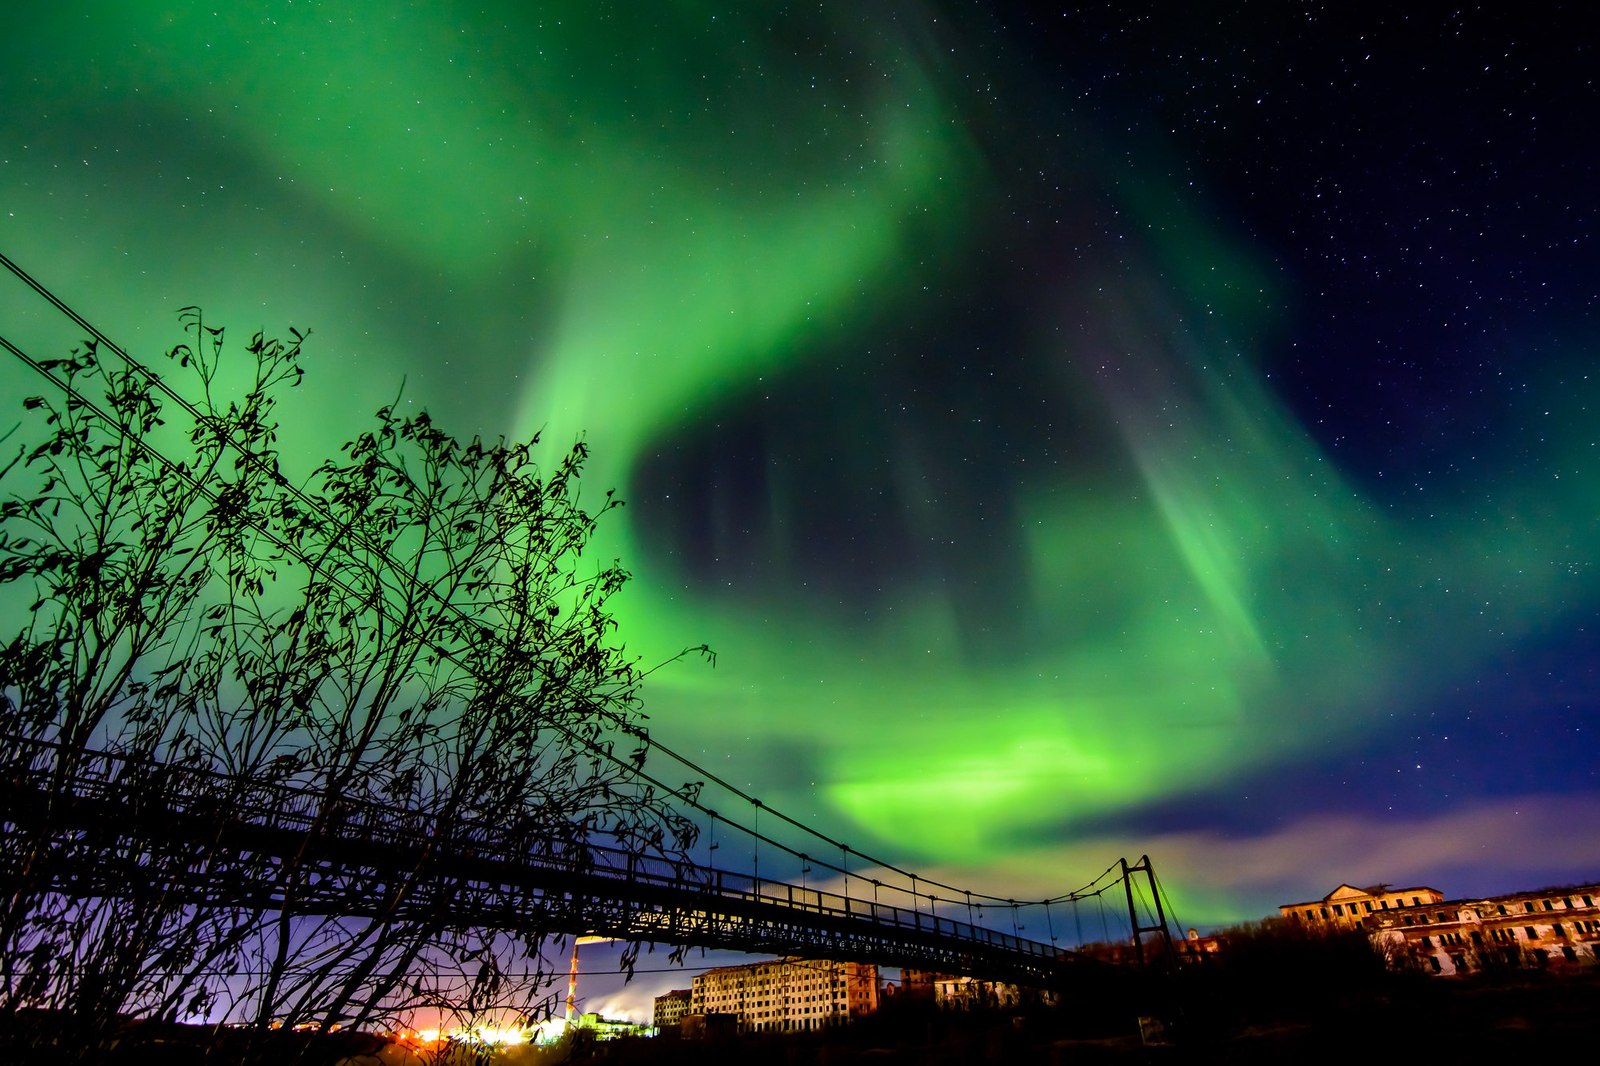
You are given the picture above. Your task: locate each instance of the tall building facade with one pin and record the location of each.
(787, 995)
(670, 1009)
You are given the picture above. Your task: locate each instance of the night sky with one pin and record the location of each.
(1158, 428)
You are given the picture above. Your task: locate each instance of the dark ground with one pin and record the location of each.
(1422, 1020)
(1511, 1018)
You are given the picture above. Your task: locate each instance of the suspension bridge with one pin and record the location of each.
(89, 823)
(111, 824)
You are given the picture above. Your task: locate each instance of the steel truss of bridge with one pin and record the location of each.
(112, 825)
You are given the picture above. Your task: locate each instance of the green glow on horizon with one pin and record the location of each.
(632, 255)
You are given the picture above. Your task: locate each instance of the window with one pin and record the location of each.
(1426, 942)
(1569, 954)
(1338, 908)
(1384, 904)
(1549, 906)
(1311, 915)
(1324, 912)
(1588, 901)
(1433, 960)
(1416, 901)
(1501, 908)
(1558, 931)
(1442, 917)
(1367, 903)
(1532, 933)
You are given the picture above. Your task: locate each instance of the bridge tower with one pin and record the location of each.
(1143, 866)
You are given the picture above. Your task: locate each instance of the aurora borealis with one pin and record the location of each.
(1077, 433)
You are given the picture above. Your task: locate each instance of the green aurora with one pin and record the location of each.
(1171, 583)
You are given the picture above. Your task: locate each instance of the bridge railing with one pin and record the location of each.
(131, 782)
(719, 884)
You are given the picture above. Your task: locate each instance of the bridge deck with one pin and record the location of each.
(113, 825)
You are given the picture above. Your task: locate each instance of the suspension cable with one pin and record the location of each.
(381, 552)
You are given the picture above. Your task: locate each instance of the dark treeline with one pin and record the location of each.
(1276, 993)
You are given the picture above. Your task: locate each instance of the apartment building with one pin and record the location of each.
(787, 995)
(670, 1009)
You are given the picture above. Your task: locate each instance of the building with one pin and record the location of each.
(787, 995)
(670, 1009)
(969, 993)
(957, 992)
(1348, 905)
(596, 1027)
(1551, 927)
(917, 984)
(1195, 948)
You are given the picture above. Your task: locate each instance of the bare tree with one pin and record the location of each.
(223, 678)
(108, 551)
